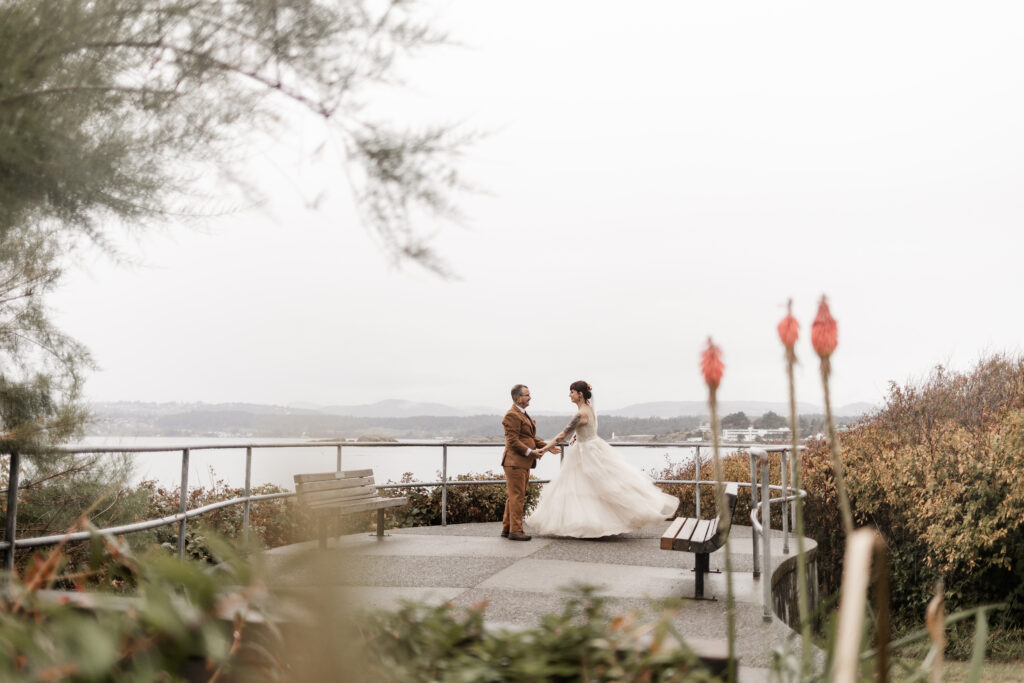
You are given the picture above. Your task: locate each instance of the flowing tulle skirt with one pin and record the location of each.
(597, 493)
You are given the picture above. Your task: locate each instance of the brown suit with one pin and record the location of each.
(520, 434)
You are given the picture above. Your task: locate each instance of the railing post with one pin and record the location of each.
(339, 457)
(11, 523)
(248, 492)
(696, 477)
(785, 505)
(444, 485)
(766, 541)
(753, 506)
(183, 500)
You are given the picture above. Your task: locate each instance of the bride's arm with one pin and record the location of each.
(577, 420)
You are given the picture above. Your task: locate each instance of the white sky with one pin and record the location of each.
(654, 172)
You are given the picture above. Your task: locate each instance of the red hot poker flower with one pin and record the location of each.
(824, 335)
(711, 364)
(789, 328)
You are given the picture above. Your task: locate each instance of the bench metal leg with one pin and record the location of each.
(703, 561)
(380, 523)
(702, 566)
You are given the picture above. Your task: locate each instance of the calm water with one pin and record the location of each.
(277, 465)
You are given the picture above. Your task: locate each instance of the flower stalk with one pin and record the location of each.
(824, 338)
(789, 332)
(712, 368)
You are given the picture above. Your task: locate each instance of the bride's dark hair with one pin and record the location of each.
(582, 387)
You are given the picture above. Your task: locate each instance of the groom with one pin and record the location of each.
(522, 448)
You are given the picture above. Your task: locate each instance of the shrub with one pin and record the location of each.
(473, 503)
(175, 627)
(58, 489)
(940, 472)
(273, 522)
(417, 642)
(735, 467)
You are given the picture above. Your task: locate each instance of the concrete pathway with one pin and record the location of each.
(470, 563)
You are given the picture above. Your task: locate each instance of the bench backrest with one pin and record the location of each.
(732, 495)
(331, 488)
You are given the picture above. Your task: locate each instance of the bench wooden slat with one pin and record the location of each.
(670, 534)
(700, 532)
(339, 494)
(320, 476)
(362, 504)
(712, 530)
(682, 541)
(331, 484)
(711, 540)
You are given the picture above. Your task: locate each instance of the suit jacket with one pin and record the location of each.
(520, 434)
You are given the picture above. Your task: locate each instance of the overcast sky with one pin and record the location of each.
(654, 173)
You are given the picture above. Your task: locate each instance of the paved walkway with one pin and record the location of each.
(469, 563)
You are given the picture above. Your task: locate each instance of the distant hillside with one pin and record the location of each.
(251, 420)
(399, 408)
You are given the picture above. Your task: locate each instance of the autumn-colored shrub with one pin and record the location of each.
(940, 472)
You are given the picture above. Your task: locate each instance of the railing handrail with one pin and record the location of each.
(771, 448)
(138, 526)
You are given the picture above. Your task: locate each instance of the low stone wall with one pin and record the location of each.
(784, 588)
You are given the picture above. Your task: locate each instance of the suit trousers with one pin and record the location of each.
(515, 481)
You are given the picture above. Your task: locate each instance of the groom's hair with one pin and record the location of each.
(516, 390)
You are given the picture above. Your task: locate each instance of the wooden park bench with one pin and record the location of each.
(352, 491)
(701, 537)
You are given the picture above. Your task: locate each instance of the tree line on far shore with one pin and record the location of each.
(250, 424)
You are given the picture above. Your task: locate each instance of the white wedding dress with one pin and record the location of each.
(597, 493)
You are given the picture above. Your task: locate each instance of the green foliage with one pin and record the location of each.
(735, 421)
(771, 420)
(940, 472)
(58, 490)
(176, 626)
(473, 503)
(273, 522)
(584, 642)
(115, 108)
(118, 113)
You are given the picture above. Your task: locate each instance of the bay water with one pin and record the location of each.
(278, 465)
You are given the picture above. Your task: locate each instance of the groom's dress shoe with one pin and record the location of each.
(504, 533)
(518, 536)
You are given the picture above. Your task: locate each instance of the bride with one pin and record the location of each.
(596, 493)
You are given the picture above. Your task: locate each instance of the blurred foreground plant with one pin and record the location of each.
(185, 621)
(584, 642)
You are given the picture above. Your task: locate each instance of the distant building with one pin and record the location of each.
(751, 435)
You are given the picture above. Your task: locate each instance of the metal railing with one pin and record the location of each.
(756, 451)
(759, 460)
